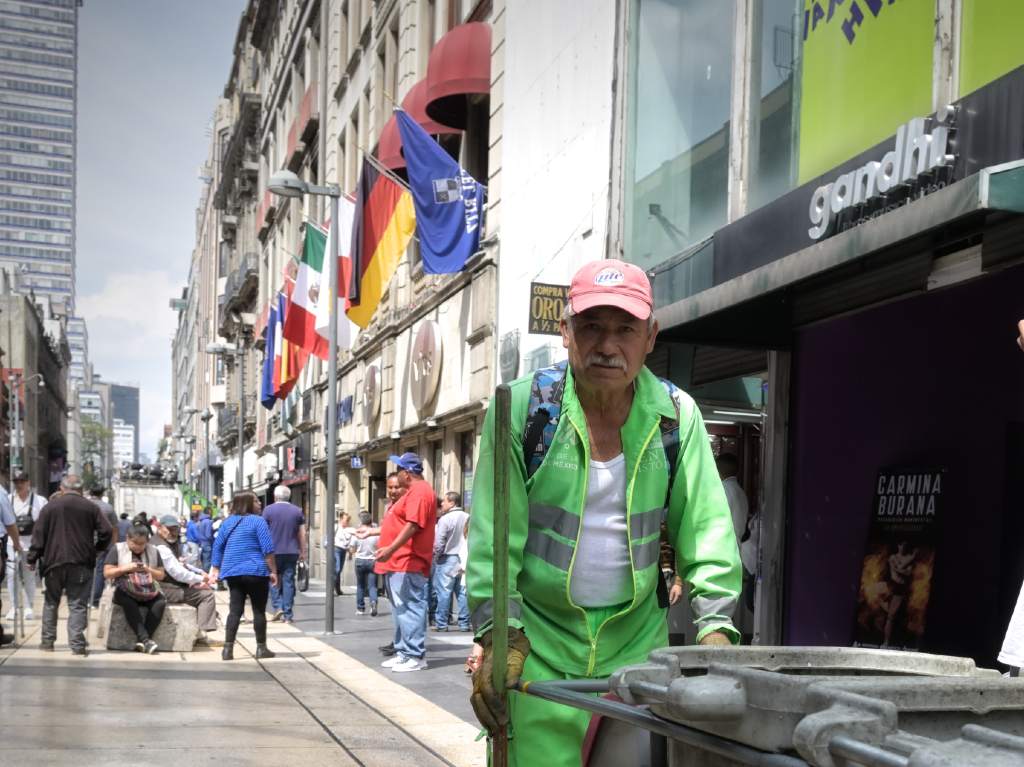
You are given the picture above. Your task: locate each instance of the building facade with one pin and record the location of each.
(311, 89)
(124, 407)
(38, 84)
(123, 442)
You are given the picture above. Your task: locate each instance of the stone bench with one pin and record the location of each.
(177, 631)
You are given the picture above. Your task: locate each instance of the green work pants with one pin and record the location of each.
(544, 733)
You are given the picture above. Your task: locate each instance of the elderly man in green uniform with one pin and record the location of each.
(602, 453)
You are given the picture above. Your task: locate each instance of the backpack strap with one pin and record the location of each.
(670, 435)
(545, 409)
(542, 414)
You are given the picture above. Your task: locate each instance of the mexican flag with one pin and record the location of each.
(307, 320)
(300, 318)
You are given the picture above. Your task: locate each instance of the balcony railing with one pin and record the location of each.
(265, 216)
(304, 126)
(239, 289)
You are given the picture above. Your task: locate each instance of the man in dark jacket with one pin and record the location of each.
(70, 532)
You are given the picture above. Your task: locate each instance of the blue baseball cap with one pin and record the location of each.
(408, 461)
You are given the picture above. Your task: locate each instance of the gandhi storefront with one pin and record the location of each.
(878, 298)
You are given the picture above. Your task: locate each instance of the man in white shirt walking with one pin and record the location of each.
(26, 505)
(448, 567)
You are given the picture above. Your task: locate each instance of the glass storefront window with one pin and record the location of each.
(680, 95)
(773, 119)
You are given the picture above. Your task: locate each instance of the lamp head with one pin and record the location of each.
(284, 183)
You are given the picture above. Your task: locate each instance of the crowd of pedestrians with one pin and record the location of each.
(83, 551)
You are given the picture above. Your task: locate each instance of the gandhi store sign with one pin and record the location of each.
(547, 302)
(908, 171)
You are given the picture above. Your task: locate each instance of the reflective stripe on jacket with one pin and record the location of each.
(544, 529)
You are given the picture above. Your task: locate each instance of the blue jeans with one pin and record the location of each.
(446, 581)
(205, 555)
(339, 563)
(98, 581)
(282, 596)
(366, 580)
(409, 610)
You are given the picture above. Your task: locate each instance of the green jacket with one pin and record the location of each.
(544, 528)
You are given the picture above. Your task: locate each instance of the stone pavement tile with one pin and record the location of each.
(395, 758)
(441, 731)
(332, 756)
(150, 734)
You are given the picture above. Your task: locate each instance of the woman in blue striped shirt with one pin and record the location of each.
(243, 555)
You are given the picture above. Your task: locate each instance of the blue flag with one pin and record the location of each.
(448, 201)
(267, 396)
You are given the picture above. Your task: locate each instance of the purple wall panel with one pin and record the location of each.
(929, 381)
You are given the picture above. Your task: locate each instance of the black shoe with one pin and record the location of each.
(6, 639)
(373, 609)
(150, 647)
(46, 646)
(387, 649)
(263, 652)
(82, 651)
(228, 653)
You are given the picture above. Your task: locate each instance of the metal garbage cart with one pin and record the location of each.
(790, 706)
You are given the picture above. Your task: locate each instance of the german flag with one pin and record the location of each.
(384, 223)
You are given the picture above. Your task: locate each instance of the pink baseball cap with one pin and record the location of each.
(610, 282)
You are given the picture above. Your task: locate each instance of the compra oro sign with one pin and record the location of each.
(917, 153)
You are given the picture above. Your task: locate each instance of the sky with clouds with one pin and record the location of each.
(150, 72)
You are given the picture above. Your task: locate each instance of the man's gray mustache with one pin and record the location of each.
(610, 362)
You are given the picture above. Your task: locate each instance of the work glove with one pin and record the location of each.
(490, 710)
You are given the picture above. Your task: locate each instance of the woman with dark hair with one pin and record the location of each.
(243, 555)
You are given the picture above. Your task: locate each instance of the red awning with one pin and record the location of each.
(415, 103)
(459, 66)
(389, 150)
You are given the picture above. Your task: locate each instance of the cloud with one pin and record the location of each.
(131, 328)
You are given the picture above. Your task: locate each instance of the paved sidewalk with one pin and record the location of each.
(312, 705)
(444, 682)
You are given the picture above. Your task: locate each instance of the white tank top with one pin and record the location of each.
(602, 574)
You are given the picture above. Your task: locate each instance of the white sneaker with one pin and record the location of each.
(394, 661)
(29, 615)
(10, 615)
(410, 664)
(360, 612)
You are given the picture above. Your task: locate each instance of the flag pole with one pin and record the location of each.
(332, 414)
(386, 171)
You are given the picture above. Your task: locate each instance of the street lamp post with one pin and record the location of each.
(286, 184)
(205, 417)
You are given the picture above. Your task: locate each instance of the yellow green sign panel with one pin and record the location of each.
(990, 43)
(867, 68)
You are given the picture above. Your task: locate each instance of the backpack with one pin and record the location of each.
(545, 408)
(24, 521)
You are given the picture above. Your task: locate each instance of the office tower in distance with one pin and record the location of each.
(38, 84)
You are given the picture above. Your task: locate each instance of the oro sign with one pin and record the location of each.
(547, 303)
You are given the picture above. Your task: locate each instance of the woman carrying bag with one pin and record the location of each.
(243, 555)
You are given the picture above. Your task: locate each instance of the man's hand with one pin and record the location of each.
(1020, 337)
(383, 555)
(273, 580)
(716, 638)
(676, 592)
(487, 705)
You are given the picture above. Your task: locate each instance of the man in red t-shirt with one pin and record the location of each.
(404, 554)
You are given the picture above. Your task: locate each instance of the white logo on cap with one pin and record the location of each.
(609, 276)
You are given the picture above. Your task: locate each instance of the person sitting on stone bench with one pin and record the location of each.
(183, 583)
(134, 567)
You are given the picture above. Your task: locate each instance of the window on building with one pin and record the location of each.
(343, 41)
(437, 466)
(773, 123)
(352, 151)
(680, 93)
(467, 440)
